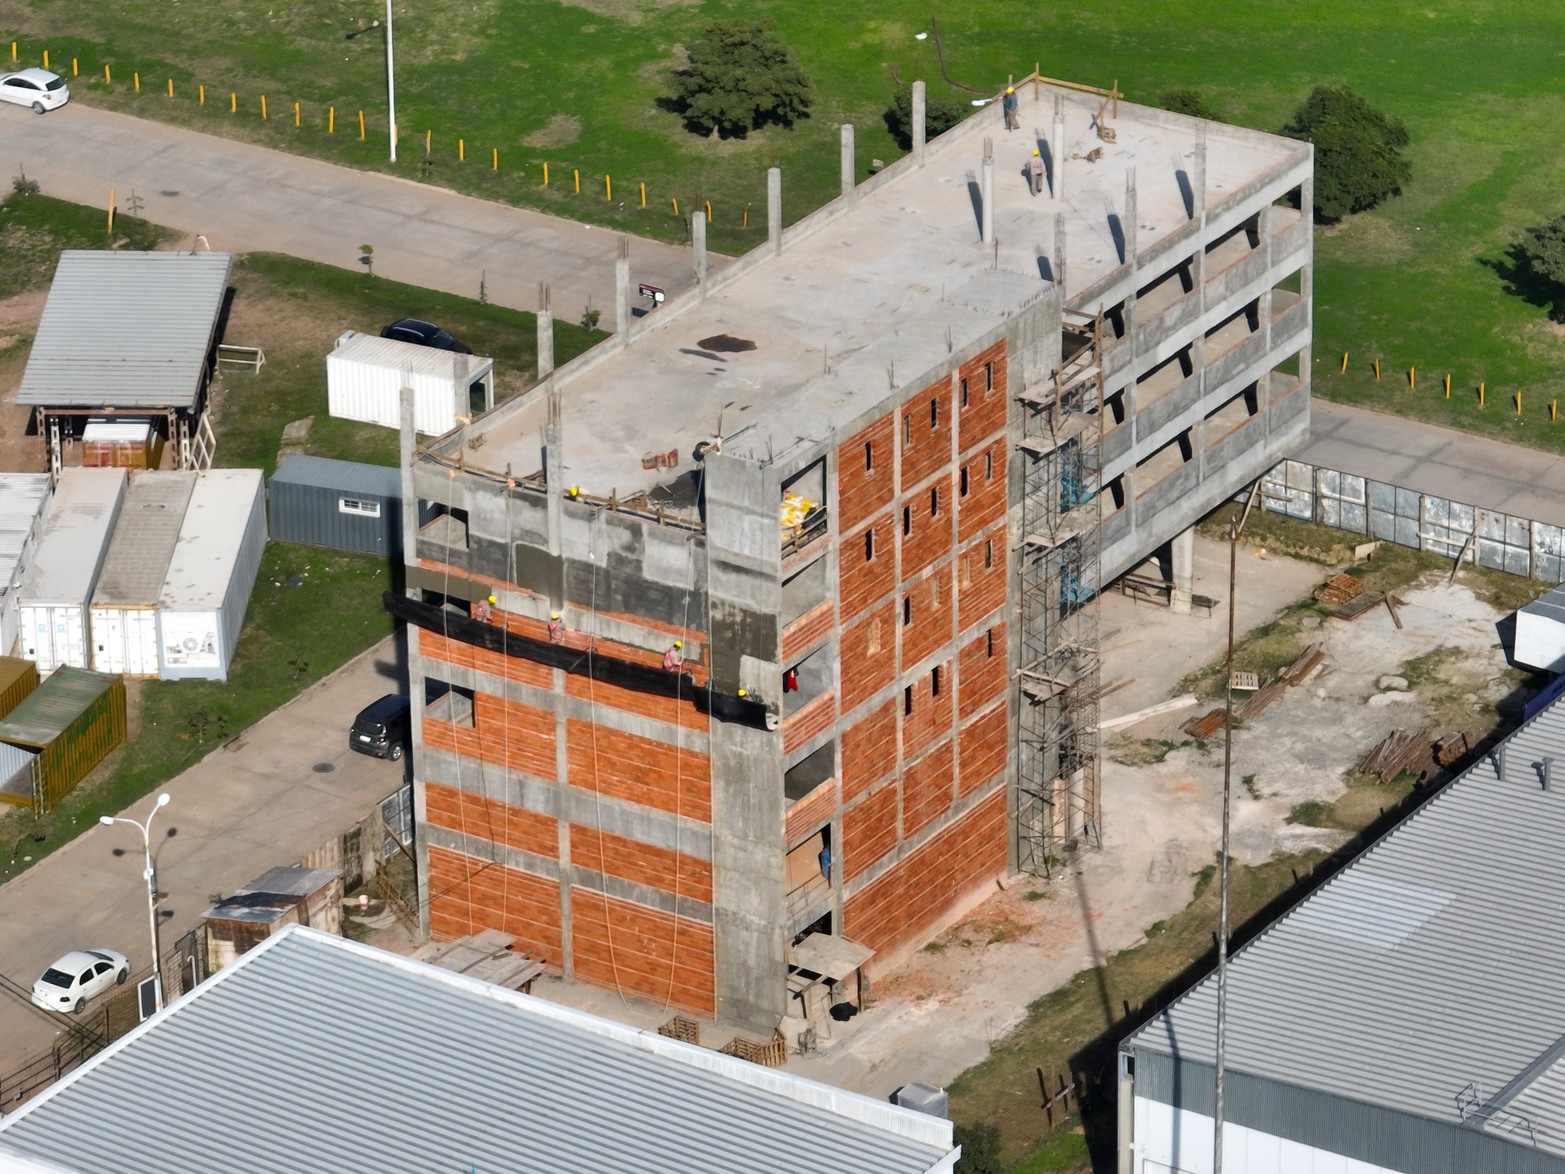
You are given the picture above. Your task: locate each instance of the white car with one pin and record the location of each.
(37, 88)
(79, 976)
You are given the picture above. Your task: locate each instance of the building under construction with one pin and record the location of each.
(760, 639)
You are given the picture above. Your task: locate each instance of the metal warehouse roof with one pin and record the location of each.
(70, 552)
(21, 500)
(1431, 962)
(211, 539)
(342, 476)
(323, 1054)
(144, 538)
(126, 330)
(48, 710)
(396, 355)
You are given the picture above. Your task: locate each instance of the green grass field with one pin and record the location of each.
(577, 86)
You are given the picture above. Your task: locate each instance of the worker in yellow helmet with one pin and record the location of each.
(1008, 104)
(1035, 172)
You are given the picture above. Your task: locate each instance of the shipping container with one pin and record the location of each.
(59, 732)
(56, 591)
(207, 590)
(18, 678)
(125, 605)
(24, 497)
(284, 896)
(365, 376)
(341, 505)
(121, 444)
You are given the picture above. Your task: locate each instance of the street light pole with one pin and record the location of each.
(391, 84)
(150, 875)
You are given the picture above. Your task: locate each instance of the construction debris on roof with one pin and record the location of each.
(487, 956)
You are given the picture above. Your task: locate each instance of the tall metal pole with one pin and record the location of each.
(149, 874)
(1222, 884)
(391, 84)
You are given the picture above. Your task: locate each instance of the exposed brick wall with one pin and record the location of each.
(981, 677)
(869, 829)
(863, 672)
(927, 788)
(659, 868)
(467, 895)
(985, 501)
(860, 491)
(807, 631)
(507, 733)
(869, 749)
(925, 447)
(984, 745)
(930, 626)
(930, 538)
(513, 668)
(986, 409)
(863, 581)
(674, 710)
(623, 945)
(499, 823)
(912, 895)
(806, 816)
(980, 588)
(930, 720)
(639, 770)
(803, 724)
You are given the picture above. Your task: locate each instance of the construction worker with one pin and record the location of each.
(1008, 104)
(1035, 172)
(556, 628)
(674, 658)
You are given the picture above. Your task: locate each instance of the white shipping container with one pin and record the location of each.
(56, 590)
(202, 608)
(24, 497)
(1540, 632)
(365, 376)
(125, 641)
(124, 625)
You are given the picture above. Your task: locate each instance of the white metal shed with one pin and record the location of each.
(56, 590)
(207, 590)
(365, 375)
(125, 604)
(23, 499)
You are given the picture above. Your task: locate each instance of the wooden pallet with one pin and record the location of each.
(1359, 605)
(771, 1054)
(1339, 589)
(685, 1030)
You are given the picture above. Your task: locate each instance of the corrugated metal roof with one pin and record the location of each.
(76, 530)
(21, 500)
(323, 1054)
(342, 476)
(144, 538)
(49, 709)
(395, 355)
(211, 539)
(1431, 962)
(126, 330)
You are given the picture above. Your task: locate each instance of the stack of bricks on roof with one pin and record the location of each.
(838, 548)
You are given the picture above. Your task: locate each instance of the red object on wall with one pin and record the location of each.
(791, 681)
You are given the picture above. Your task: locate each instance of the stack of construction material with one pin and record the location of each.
(1339, 589)
(1401, 750)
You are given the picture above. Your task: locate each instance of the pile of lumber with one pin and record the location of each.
(1306, 666)
(1452, 748)
(1203, 728)
(1255, 704)
(1399, 751)
(1339, 589)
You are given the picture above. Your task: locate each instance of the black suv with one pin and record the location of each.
(422, 333)
(383, 728)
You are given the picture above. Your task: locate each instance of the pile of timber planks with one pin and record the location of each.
(1399, 751)
(1203, 728)
(1305, 667)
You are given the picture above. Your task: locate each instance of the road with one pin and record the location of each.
(251, 805)
(245, 198)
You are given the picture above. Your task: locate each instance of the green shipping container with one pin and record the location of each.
(70, 723)
(18, 678)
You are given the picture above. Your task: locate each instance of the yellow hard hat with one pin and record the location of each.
(741, 693)
(492, 599)
(1035, 150)
(679, 643)
(554, 615)
(1009, 90)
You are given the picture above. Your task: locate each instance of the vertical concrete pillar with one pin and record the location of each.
(409, 498)
(1128, 225)
(986, 193)
(920, 107)
(774, 223)
(545, 343)
(1182, 570)
(1198, 176)
(1057, 152)
(849, 172)
(698, 247)
(1057, 259)
(622, 290)
(408, 442)
(554, 471)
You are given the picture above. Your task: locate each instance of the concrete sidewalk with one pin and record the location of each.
(245, 198)
(245, 807)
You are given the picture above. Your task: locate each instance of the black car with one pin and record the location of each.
(425, 334)
(383, 728)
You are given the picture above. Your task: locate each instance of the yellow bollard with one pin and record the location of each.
(361, 126)
(675, 201)
(608, 189)
(576, 175)
(461, 150)
(1412, 378)
(495, 164)
(643, 193)
(1518, 403)
(106, 78)
(46, 59)
(545, 175)
(709, 211)
(1377, 370)
(111, 209)
(233, 102)
(745, 223)
(1344, 363)
(263, 107)
(136, 78)
(201, 95)
(1554, 410)
(297, 119)
(170, 87)
(75, 72)
(13, 52)
(1480, 395)
(1448, 385)
(427, 142)
(331, 120)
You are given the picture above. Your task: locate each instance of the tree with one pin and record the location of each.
(740, 78)
(940, 115)
(1358, 159)
(1186, 101)
(980, 1149)
(1534, 267)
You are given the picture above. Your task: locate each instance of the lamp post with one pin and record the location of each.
(391, 78)
(145, 828)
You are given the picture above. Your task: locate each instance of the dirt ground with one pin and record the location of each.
(19, 453)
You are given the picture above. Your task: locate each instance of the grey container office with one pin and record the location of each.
(211, 575)
(340, 505)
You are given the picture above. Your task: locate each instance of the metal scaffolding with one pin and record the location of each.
(1057, 733)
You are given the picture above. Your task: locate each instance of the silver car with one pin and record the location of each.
(37, 88)
(79, 976)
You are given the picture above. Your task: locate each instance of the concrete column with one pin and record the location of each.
(408, 442)
(920, 106)
(1128, 225)
(986, 192)
(554, 471)
(1057, 259)
(774, 223)
(698, 247)
(1182, 570)
(1198, 176)
(849, 171)
(1057, 154)
(409, 497)
(622, 290)
(545, 343)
